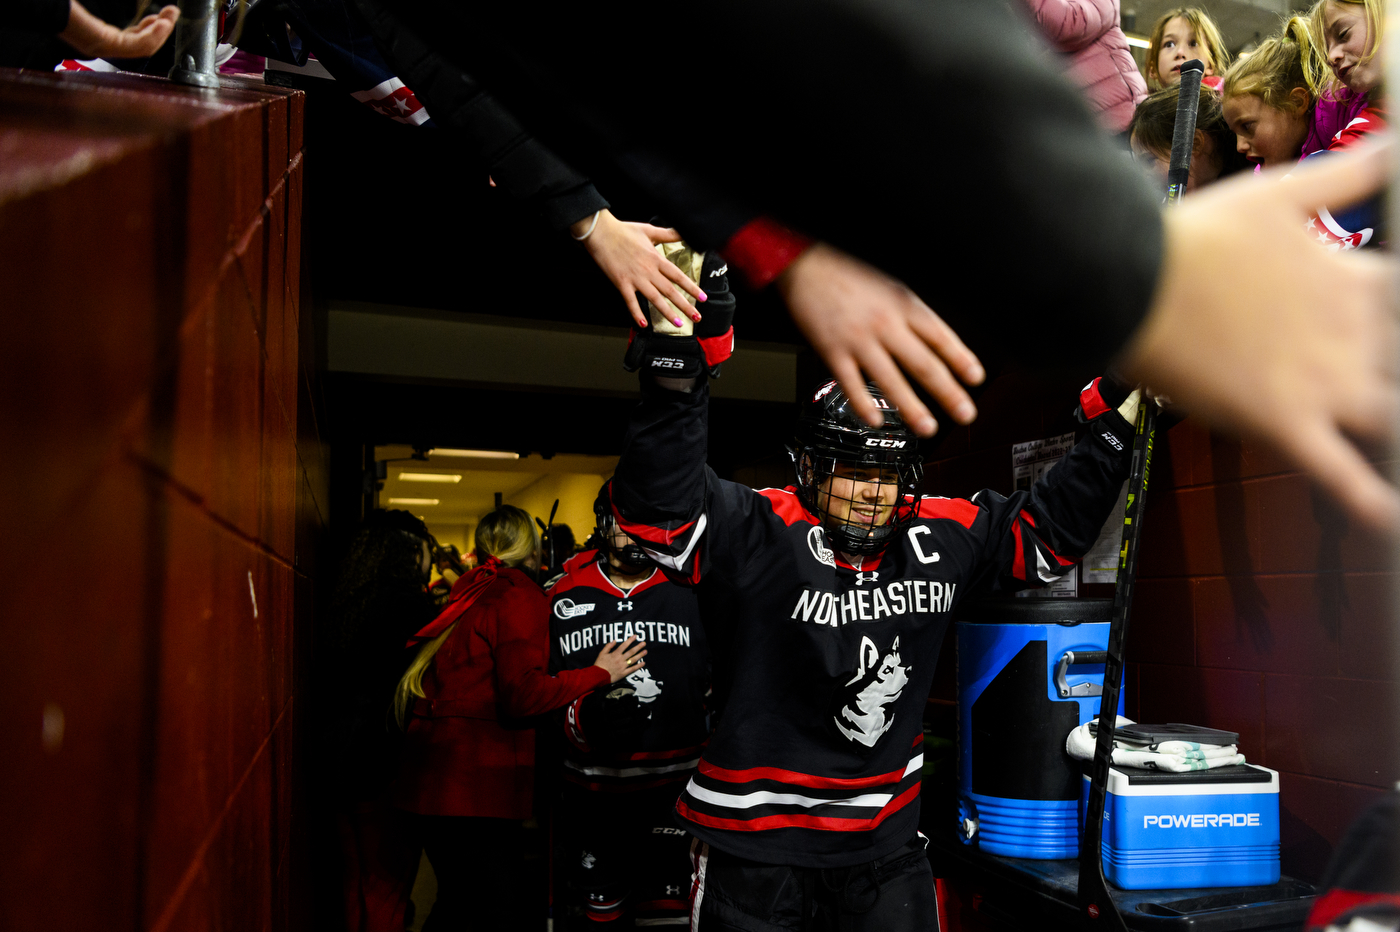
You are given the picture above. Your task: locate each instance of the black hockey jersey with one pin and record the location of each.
(588, 611)
(817, 758)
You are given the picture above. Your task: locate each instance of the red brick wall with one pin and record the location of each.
(162, 474)
(1262, 611)
(1258, 609)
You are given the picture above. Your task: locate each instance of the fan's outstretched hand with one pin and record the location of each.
(859, 320)
(1259, 330)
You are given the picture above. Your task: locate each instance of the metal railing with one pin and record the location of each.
(196, 44)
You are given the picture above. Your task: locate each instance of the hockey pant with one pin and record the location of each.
(891, 894)
(624, 855)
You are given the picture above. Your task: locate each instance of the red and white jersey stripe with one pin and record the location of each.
(759, 799)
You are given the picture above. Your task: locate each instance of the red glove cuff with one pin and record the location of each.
(1091, 402)
(717, 349)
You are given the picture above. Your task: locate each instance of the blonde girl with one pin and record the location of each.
(1347, 35)
(1268, 100)
(467, 767)
(1179, 36)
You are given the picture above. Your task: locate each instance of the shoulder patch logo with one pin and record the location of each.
(816, 542)
(862, 715)
(565, 609)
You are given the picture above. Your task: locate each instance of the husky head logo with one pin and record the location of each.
(824, 390)
(816, 542)
(647, 689)
(861, 704)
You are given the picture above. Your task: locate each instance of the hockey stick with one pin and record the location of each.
(546, 528)
(1094, 896)
(1188, 102)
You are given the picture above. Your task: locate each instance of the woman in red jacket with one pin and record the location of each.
(468, 757)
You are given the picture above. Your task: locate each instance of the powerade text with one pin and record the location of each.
(1202, 820)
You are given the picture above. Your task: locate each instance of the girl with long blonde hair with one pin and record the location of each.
(1178, 36)
(467, 768)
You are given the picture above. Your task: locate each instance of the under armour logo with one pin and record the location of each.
(673, 890)
(624, 605)
(871, 577)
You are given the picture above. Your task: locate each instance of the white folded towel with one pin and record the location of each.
(1171, 756)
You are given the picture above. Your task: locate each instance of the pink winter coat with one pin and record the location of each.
(1088, 31)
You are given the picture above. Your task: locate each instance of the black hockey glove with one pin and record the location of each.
(663, 349)
(612, 718)
(1110, 407)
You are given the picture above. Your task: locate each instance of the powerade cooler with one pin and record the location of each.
(1206, 828)
(1029, 672)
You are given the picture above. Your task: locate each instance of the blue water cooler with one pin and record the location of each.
(1029, 672)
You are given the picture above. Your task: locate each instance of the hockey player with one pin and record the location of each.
(832, 597)
(632, 745)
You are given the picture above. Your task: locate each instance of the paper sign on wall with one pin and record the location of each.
(1101, 562)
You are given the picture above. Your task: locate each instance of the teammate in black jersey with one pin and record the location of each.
(832, 597)
(631, 746)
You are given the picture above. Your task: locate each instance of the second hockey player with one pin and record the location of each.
(631, 745)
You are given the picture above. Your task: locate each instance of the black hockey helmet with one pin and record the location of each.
(830, 435)
(630, 554)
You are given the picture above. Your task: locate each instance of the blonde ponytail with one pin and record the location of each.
(1276, 68)
(509, 535)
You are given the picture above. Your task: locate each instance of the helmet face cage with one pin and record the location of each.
(630, 554)
(848, 471)
(868, 480)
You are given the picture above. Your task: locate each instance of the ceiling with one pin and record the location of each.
(466, 500)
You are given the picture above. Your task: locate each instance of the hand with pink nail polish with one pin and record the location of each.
(626, 252)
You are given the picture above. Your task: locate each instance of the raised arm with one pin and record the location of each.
(1033, 537)
(659, 489)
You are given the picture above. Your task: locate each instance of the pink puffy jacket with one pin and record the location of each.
(1088, 31)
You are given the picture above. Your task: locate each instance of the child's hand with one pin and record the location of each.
(95, 38)
(1261, 331)
(626, 253)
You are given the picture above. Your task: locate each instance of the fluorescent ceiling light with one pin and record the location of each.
(477, 454)
(430, 477)
(413, 501)
(1139, 43)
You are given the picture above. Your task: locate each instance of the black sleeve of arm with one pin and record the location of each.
(660, 489)
(43, 16)
(706, 216)
(519, 163)
(935, 139)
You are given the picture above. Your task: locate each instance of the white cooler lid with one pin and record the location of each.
(1223, 781)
